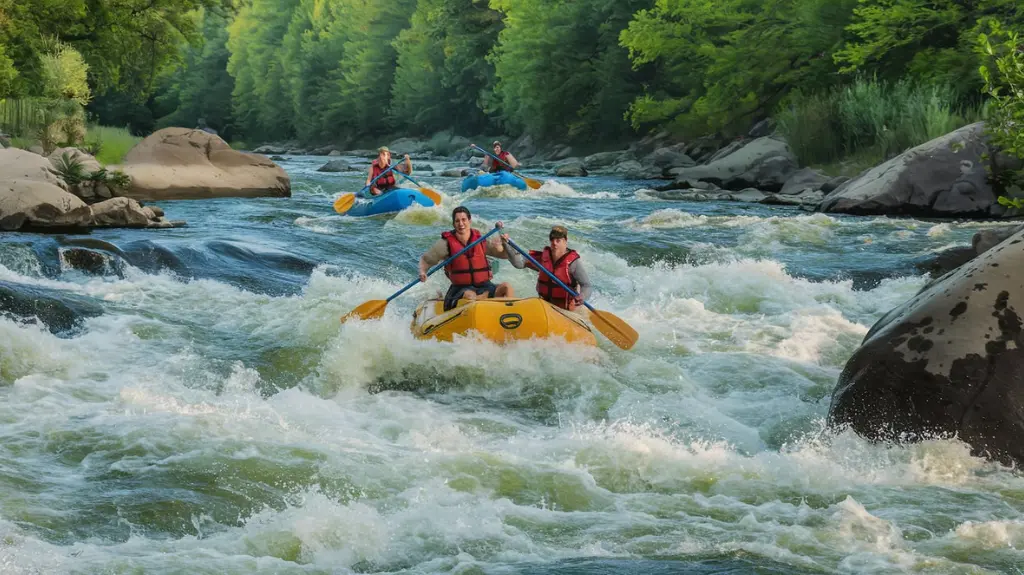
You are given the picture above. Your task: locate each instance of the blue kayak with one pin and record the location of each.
(389, 202)
(495, 179)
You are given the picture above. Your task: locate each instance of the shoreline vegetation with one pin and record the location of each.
(849, 83)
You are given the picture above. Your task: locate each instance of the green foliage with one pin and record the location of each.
(111, 144)
(560, 71)
(442, 66)
(870, 119)
(201, 86)
(933, 40)
(728, 63)
(1005, 85)
(64, 74)
(20, 116)
(70, 169)
(8, 74)
(116, 178)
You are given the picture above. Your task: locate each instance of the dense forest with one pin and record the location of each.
(592, 72)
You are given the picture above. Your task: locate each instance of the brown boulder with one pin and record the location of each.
(40, 204)
(184, 164)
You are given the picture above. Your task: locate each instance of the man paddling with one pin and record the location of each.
(565, 263)
(470, 273)
(386, 182)
(491, 165)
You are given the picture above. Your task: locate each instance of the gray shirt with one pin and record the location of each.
(577, 273)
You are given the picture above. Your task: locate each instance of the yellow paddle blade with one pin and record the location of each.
(436, 197)
(614, 328)
(372, 309)
(534, 184)
(344, 203)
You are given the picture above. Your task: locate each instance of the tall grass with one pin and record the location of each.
(870, 120)
(109, 144)
(21, 117)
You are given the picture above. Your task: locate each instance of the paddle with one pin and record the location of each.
(374, 308)
(345, 202)
(434, 196)
(614, 328)
(534, 184)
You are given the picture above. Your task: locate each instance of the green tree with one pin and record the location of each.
(64, 74)
(201, 86)
(561, 73)
(8, 74)
(732, 62)
(931, 40)
(260, 101)
(1004, 83)
(442, 72)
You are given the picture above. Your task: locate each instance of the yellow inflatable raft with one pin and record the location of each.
(500, 320)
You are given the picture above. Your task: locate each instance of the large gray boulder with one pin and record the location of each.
(605, 159)
(764, 163)
(949, 362)
(668, 158)
(572, 168)
(335, 166)
(945, 177)
(803, 180)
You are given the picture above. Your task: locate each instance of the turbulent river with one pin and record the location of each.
(201, 409)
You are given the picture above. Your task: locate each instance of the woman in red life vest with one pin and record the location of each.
(558, 259)
(386, 182)
(490, 165)
(470, 273)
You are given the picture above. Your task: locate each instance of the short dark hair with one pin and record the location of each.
(461, 210)
(558, 232)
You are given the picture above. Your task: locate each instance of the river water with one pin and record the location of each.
(210, 415)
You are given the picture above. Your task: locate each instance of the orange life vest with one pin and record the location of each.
(546, 287)
(497, 166)
(386, 181)
(470, 268)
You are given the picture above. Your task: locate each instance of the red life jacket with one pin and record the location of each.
(472, 267)
(386, 181)
(497, 166)
(546, 287)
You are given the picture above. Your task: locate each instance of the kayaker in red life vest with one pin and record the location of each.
(490, 165)
(469, 273)
(566, 265)
(387, 181)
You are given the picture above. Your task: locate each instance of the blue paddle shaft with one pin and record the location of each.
(493, 156)
(550, 275)
(444, 263)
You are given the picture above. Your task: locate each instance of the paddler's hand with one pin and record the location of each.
(423, 276)
(499, 225)
(406, 157)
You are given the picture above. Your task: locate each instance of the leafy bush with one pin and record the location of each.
(70, 169)
(110, 144)
(870, 119)
(1005, 85)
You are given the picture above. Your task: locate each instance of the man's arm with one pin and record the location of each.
(498, 248)
(512, 161)
(405, 168)
(579, 273)
(435, 255)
